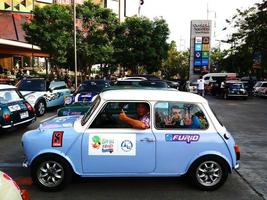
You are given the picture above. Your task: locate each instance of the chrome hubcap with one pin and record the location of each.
(50, 173)
(41, 108)
(209, 173)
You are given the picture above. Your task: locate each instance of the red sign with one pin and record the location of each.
(57, 138)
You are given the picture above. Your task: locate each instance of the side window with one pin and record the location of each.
(108, 117)
(178, 115)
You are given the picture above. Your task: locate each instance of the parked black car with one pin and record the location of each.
(235, 88)
(14, 109)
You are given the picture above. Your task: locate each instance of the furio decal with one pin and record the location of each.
(112, 145)
(188, 138)
(57, 138)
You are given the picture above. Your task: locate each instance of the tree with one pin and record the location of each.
(250, 37)
(141, 42)
(176, 63)
(96, 35)
(50, 29)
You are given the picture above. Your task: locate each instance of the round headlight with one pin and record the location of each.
(68, 100)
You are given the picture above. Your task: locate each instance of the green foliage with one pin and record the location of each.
(141, 42)
(95, 39)
(51, 30)
(250, 37)
(176, 63)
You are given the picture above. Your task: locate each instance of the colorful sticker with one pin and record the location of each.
(188, 138)
(57, 138)
(112, 144)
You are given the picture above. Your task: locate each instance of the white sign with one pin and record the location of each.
(198, 40)
(112, 145)
(45, 1)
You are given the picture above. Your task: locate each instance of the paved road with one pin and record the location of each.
(245, 119)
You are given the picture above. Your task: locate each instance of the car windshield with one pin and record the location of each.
(32, 85)
(154, 84)
(236, 86)
(128, 83)
(92, 86)
(57, 84)
(257, 84)
(7, 96)
(91, 110)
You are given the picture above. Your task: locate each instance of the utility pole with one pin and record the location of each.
(75, 50)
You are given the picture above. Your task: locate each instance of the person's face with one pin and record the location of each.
(187, 119)
(141, 109)
(176, 114)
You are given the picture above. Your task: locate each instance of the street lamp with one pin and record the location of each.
(75, 51)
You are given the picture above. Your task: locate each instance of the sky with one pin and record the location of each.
(178, 15)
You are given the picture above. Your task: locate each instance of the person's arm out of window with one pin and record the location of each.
(133, 122)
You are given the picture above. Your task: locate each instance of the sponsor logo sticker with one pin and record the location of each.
(112, 145)
(188, 138)
(126, 145)
(57, 138)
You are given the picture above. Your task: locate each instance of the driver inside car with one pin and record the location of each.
(143, 119)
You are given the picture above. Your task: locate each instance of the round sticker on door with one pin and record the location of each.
(126, 145)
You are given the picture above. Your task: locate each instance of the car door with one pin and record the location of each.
(178, 141)
(110, 147)
(58, 91)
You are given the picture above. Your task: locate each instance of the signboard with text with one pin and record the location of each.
(199, 48)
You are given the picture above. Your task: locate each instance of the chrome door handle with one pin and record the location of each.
(147, 140)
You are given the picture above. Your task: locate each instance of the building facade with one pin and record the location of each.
(15, 52)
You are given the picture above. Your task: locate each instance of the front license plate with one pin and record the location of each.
(24, 115)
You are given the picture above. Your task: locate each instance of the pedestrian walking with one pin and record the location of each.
(201, 87)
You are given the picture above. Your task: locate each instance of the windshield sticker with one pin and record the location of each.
(112, 145)
(188, 138)
(57, 138)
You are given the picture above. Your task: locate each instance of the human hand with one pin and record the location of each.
(122, 116)
(169, 121)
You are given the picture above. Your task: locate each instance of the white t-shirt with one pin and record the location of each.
(222, 84)
(200, 83)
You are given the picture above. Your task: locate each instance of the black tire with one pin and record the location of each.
(51, 173)
(40, 108)
(209, 173)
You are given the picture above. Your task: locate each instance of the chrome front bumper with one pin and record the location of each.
(237, 166)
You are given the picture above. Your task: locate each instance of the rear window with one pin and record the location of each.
(32, 85)
(154, 84)
(179, 115)
(92, 86)
(7, 96)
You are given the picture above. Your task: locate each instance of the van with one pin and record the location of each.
(214, 77)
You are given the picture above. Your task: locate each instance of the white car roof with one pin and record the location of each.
(132, 78)
(5, 86)
(151, 95)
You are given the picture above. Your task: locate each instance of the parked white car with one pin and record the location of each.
(260, 88)
(42, 94)
(10, 190)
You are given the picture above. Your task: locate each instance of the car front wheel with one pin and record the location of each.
(209, 173)
(51, 173)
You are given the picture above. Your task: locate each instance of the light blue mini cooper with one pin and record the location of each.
(181, 137)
